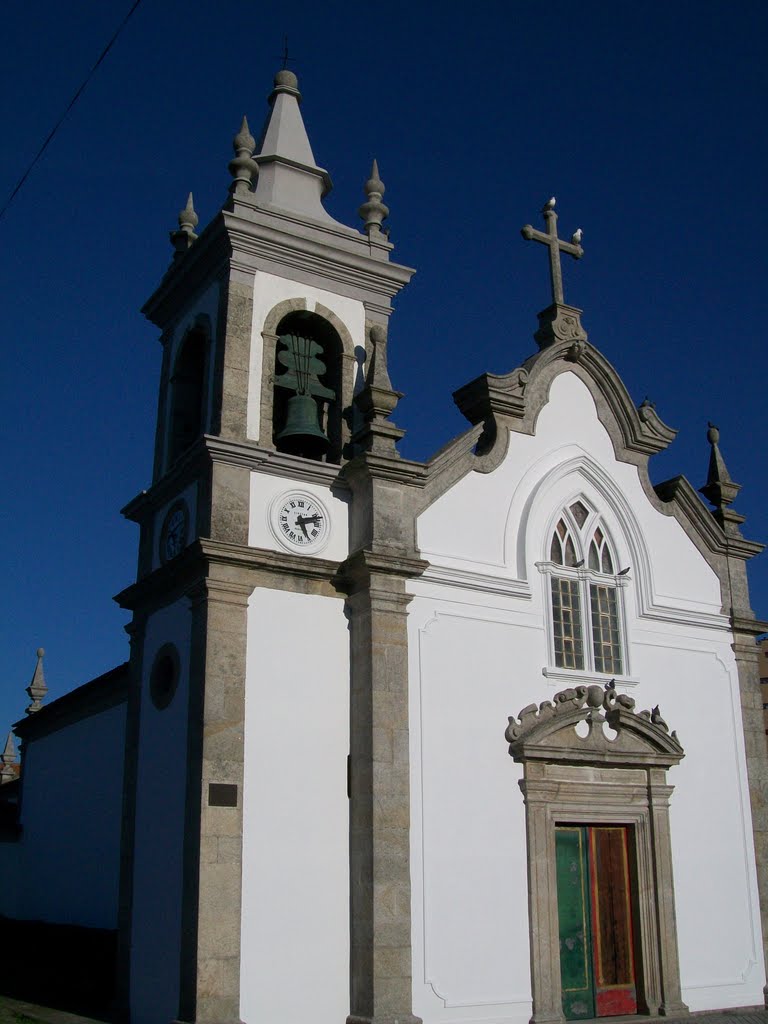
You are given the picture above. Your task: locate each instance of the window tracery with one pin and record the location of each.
(585, 595)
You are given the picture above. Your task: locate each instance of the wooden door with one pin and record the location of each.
(597, 965)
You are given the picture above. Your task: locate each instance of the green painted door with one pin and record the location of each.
(573, 899)
(597, 965)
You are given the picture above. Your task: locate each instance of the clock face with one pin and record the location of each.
(300, 522)
(173, 538)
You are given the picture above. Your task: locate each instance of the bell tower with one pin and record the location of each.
(261, 874)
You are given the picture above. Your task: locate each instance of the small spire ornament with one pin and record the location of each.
(719, 489)
(37, 688)
(183, 238)
(8, 761)
(243, 167)
(374, 211)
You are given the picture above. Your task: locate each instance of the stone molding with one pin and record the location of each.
(279, 570)
(593, 781)
(246, 238)
(543, 732)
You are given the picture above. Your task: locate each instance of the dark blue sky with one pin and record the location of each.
(646, 121)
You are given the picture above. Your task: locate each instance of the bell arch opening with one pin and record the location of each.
(186, 419)
(307, 398)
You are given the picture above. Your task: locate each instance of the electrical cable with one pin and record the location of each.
(71, 104)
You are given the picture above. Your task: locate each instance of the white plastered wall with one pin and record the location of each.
(295, 909)
(69, 852)
(159, 840)
(478, 652)
(268, 291)
(266, 493)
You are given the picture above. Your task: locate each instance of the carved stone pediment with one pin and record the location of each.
(616, 734)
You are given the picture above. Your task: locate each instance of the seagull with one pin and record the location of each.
(550, 204)
(577, 236)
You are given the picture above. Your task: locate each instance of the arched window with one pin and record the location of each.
(585, 590)
(187, 392)
(308, 354)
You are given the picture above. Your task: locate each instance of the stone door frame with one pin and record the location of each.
(593, 780)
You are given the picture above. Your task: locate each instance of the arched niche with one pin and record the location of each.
(323, 325)
(576, 774)
(187, 386)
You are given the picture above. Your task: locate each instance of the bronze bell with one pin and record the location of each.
(302, 434)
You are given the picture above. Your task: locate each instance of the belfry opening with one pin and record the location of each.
(307, 413)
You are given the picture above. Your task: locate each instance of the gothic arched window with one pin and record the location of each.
(584, 585)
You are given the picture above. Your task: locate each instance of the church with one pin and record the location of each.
(472, 739)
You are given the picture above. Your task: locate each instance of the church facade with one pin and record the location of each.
(322, 816)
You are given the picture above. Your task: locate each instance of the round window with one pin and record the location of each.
(164, 677)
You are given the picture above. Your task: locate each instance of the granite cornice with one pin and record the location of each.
(204, 558)
(263, 247)
(206, 260)
(367, 569)
(681, 499)
(250, 455)
(370, 466)
(516, 399)
(210, 449)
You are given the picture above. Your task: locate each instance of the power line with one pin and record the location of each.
(71, 104)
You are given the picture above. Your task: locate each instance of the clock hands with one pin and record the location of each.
(302, 521)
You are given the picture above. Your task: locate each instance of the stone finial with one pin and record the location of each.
(37, 688)
(373, 211)
(8, 768)
(183, 238)
(285, 81)
(243, 167)
(719, 489)
(377, 401)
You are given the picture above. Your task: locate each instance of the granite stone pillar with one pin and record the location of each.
(745, 649)
(210, 953)
(664, 895)
(380, 883)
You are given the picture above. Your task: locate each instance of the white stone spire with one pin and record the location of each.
(289, 179)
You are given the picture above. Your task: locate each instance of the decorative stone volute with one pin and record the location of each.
(243, 167)
(37, 688)
(183, 238)
(544, 731)
(373, 211)
(558, 323)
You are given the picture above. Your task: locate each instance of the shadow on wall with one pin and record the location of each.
(63, 966)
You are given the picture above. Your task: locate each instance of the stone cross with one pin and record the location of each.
(556, 246)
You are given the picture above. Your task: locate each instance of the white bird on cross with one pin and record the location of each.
(576, 238)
